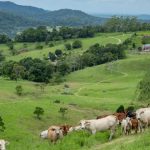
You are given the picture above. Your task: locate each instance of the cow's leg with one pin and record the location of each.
(93, 131)
(140, 128)
(112, 131)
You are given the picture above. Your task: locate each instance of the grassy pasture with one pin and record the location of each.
(87, 42)
(95, 91)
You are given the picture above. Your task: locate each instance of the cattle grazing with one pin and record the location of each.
(126, 126)
(55, 133)
(3, 144)
(103, 124)
(44, 134)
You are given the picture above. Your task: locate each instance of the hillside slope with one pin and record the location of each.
(95, 91)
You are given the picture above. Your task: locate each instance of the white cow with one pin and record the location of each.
(44, 134)
(3, 144)
(126, 126)
(143, 115)
(103, 124)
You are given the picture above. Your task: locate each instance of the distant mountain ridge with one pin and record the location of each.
(21, 17)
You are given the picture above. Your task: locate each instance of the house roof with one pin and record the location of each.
(146, 45)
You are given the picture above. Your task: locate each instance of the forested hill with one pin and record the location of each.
(14, 17)
(10, 23)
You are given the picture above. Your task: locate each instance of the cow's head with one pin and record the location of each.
(57, 130)
(138, 114)
(84, 124)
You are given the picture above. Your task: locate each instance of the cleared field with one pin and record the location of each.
(95, 91)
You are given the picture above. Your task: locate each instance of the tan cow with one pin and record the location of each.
(54, 133)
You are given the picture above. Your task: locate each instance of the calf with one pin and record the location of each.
(103, 124)
(134, 124)
(126, 126)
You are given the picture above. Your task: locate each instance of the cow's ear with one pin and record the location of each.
(142, 112)
(87, 123)
(61, 128)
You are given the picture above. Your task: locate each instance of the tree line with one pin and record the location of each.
(44, 70)
(42, 34)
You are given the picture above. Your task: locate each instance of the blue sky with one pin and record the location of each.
(93, 6)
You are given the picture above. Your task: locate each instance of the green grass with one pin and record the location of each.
(95, 91)
(87, 42)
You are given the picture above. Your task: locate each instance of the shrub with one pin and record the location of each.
(39, 46)
(120, 109)
(63, 111)
(68, 46)
(38, 112)
(58, 52)
(51, 45)
(19, 90)
(57, 101)
(2, 125)
(143, 88)
(77, 44)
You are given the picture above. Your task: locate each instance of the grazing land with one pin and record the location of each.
(93, 91)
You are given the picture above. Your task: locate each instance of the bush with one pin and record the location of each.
(58, 52)
(38, 112)
(51, 45)
(57, 101)
(143, 89)
(68, 46)
(120, 109)
(19, 90)
(77, 44)
(2, 57)
(63, 111)
(39, 46)
(2, 125)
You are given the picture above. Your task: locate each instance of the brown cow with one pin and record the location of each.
(120, 116)
(135, 124)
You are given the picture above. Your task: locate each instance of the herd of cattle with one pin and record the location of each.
(130, 122)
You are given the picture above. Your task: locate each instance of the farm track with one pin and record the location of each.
(106, 80)
(119, 40)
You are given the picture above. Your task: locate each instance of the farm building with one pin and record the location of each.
(146, 48)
